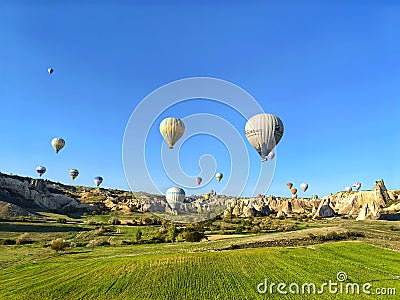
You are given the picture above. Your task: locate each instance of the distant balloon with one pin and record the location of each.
(219, 176)
(98, 180)
(294, 191)
(357, 185)
(175, 197)
(50, 70)
(271, 155)
(58, 144)
(294, 195)
(73, 173)
(304, 186)
(348, 189)
(199, 180)
(264, 131)
(206, 196)
(172, 130)
(289, 185)
(41, 170)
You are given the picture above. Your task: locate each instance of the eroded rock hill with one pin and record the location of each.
(23, 195)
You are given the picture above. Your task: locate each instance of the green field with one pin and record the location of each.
(204, 270)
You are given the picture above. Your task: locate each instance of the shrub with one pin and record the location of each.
(156, 237)
(148, 221)
(138, 235)
(256, 229)
(61, 220)
(171, 234)
(114, 221)
(193, 236)
(7, 242)
(23, 239)
(239, 229)
(58, 245)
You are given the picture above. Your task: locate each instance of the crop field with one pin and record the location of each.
(204, 270)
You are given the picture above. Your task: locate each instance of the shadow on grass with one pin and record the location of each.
(9, 227)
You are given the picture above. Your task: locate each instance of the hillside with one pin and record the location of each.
(21, 196)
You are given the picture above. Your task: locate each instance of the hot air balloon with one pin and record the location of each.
(175, 197)
(348, 189)
(50, 70)
(172, 130)
(41, 170)
(219, 176)
(58, 144)
(206, 196)
(98, 180)
(73, 173)
(289, 185)
(264, 131)
(357, 185)
(271, 155)
(199, 180)
(294, 191)
(304, 186)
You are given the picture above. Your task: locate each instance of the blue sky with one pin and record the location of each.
(329, 69)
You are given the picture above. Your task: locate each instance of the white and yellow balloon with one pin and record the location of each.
(172, 130)
(57, 144)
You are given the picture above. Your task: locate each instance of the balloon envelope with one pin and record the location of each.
(175, 197)
(199, 180)
(294, 191)
(304, 186)
(98, 180)
(289, 185)
(41, 170)
(357, 185)
(73, 173)
(348, 189)
(57, 144)
(172, 130)
(219, 176)
(50, 70)
(207, 196)
(264, 132)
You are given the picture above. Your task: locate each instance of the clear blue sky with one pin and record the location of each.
(329, 69)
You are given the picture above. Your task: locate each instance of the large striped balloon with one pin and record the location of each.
(264, 131)
(172, 130)
(175, 197)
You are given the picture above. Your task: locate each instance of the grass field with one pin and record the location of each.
(197, 270)
(134, 273)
